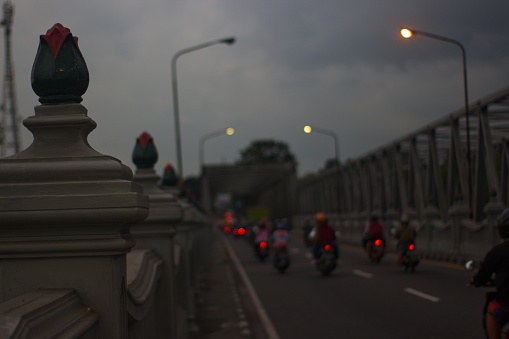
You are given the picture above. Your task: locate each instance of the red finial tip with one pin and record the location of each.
(55, 37)
(144, 138)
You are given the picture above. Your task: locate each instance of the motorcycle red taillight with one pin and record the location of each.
(242, 231)
(263, 244)
(411, 247)
(378, 242)
(226, 229)
(327, 247)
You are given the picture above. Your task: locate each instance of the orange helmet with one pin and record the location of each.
(321, 217)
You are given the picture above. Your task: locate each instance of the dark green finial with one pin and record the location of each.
(145, 152)
(170, 177)
(59, 73)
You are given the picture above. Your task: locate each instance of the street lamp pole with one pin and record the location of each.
(227, 131)
(408, 33)
(308, 129)
(227, 41)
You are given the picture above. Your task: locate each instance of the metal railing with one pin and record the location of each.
(423, 171)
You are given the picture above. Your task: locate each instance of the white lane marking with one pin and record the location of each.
(363, 274)
(422, 295)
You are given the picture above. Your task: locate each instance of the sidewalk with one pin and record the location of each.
(226, 308)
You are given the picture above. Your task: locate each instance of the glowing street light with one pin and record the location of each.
(228, 131)
(408, 33)
(227, 41)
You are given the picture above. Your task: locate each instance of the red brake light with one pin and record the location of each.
(411, 247)
(263, 244)
(378, 242)
(226, 229)
(327, 247)
(241, 231)
(235, 231)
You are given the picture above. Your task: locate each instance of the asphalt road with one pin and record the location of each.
(364, 300)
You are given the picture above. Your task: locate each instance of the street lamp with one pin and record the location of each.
(228, 131)
(227, 41)
(408, 33)
(308, 129)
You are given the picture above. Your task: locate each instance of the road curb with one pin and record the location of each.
(264, 318)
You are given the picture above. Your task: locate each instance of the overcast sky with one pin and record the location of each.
(338, 65)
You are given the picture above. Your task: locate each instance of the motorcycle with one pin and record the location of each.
(281, 260)
(410, 258)
(262, 250)
(376, 249)
(326, 260)
(472, 265)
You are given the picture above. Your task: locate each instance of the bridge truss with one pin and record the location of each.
(427, 168)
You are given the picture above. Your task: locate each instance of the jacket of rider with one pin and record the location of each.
(324, 233)
(280, 239)
(406, 235)
(497, 262)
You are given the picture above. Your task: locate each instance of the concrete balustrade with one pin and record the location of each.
(80, 254)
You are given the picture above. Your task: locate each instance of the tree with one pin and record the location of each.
(266, 152)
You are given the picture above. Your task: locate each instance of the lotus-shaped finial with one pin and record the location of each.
(59, 73)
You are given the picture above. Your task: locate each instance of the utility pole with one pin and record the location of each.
(9, 129)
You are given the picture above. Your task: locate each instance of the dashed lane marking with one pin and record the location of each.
(422, 295)
(363, 274)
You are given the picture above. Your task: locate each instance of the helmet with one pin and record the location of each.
(321, 217)
(503, 224)
(280, 226)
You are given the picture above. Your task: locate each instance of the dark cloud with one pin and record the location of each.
(336, 64)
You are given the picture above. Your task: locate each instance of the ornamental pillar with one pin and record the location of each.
(66, 209)
(157, 234)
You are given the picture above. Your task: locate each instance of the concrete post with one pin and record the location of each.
(185, 246)
(157, 233)
(65, 209)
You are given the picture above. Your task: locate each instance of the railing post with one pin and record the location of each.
(458, 214)
(492, 210)
(66, 209)
(187, 247)
(157, 234)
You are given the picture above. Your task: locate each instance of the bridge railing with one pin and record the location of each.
(451, 197)
(79, 257)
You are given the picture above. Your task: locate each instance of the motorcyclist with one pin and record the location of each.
(323, 234)
(262, 233)
(406, 235)
(497, 262)
(374, 230)
(280, 237)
